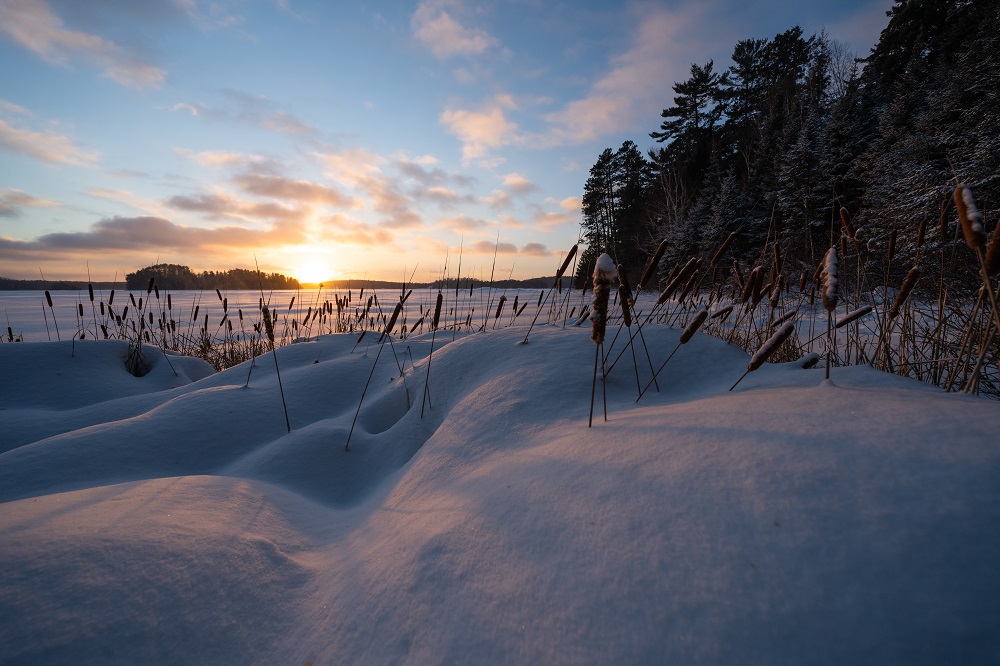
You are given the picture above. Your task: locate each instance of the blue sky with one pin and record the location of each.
(338, 140)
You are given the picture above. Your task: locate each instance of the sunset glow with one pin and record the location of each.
(377, 136)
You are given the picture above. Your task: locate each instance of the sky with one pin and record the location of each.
(375, 140)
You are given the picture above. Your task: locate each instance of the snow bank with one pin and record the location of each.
(793, 520)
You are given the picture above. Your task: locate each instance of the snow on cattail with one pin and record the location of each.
(604, 273)
(853, 316)
(723, 313)
(830, 297)
(650, 271)
(970, 217)
(693, 326)
(771, 345)
(904, 291)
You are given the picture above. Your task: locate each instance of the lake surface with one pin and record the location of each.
(30, 317)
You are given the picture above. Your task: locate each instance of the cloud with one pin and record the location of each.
(444, 35)
(535, 250)
(48, 147)
(33, 25)
(255, 110)
(484, 129)
(518, 184)
(489, 247)
(341, 229)
(218, 205)
(148, 233)
(12, 201)
(639, 80)
(304, 191)
(216, 158)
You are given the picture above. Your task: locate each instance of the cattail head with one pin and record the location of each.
(48, 298)
(565, 263)
(892, 245)
(650, 271)
(90, 290)
(992, 259)
(830, 296)
(846, 221)
(771, 345)
(722, 249)
(503, 299)
(149, 289)
(604, 273)
(625, 296)
(970, 217)
(904, 291)
(693, 326)
(437, 309)
(921, 232)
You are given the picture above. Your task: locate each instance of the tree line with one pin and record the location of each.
(176, 277)
(796, 128)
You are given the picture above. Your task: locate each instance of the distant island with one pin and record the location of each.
(175, 277)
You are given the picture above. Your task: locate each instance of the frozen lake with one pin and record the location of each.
(28, 315)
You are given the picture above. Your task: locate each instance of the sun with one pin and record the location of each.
(312, 268)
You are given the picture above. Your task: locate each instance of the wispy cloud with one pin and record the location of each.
(12, 201)
(33, 25)
(639, 80)
(49, 147)
(444, 35)
(256, 110)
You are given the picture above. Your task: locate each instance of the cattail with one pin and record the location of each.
(992, 259)
(565, 264)
(853, 316)
(723, 313)
(693, 326)
(904, 291)
(268, 324)
(846, 221)
(650, 271)
(892, 245)
(131, 297)
(944, 219)
(437, 310)
(750, 285)
(624, 296)
(80, 306)
(623, 283)
(48, 298)
(604, 272)
(584, 314)
(738, 274)
(771, 345)
(785, 317)
(156, 290)
(111, 298)
(970, 217)
(802, 281)
(681, 278)
(218, 293)
(809, 360)
(722, 249)
(830, 296)
(290, 303)
(921, 231)
(90, 290)
(170, 304)
(503, 299)
(688, 286)
(149, 289)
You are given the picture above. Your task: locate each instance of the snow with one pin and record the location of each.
(172, 518)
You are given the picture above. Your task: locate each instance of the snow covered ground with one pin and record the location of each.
(172, 518)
